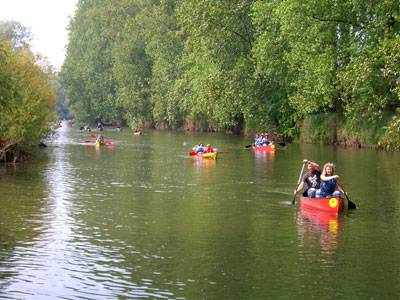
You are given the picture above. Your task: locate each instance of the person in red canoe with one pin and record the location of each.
(260, 141)
(312, 178)
(329, 183)
(266, 141)
(208, 149)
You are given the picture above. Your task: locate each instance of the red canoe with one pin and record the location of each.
(332, 205)
(264, 148)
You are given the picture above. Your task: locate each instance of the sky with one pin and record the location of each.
(47, 20)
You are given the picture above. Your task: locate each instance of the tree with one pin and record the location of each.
(15, 33)
(87, 74)
(220, 84)
(28, 101)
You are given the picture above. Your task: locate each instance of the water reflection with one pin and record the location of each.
(139, 221)
(319, 236)
(264, 156)
(99, 149)
(203, 162)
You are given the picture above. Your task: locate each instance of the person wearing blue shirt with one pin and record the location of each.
(199, 148)
(100, 139)
(329, 184)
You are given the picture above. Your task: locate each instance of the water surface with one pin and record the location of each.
(141, 219)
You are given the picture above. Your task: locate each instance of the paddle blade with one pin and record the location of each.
(110, 143)
(92, 136)
(187, 144)
(87, 141)
(351, 205)
(282, 144)
(192, 153)
(247, 146)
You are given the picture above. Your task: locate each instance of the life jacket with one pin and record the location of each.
(200, 150)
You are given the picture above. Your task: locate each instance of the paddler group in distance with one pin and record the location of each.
(262, 140)
(323, 191)
(263, 143)
(204, 152)
(87, 127)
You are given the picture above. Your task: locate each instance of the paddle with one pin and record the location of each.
(298, 183)
(87, 141)
(192, 153)
(216, 150)
(350, 205)
(93, 136)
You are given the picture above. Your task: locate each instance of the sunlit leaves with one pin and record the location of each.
(28, 99)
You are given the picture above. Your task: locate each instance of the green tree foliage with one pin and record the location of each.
(220, 84)
(87, 74)
(132, 68)
(27, 100)
(367, 80)
(270, 50)
(233, 65)
(331, 56)
(164, 47)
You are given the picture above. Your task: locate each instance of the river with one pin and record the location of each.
(141, 219)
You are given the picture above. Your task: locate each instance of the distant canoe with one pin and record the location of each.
(264, 148)
(100, 143)
(331, 205)
(118, 129)
(137, 133)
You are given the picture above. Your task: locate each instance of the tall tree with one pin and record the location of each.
(221, 84)
(132, 67)
(87, 71)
